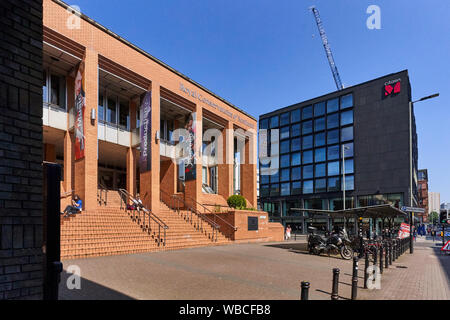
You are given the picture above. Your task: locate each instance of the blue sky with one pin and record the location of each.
(265, 54)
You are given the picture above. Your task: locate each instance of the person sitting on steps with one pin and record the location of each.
(77, 205)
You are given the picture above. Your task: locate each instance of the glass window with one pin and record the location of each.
(319, 124)
(333, 120)
(347, 101)
(274, 122)
(44, 87)
(349, 183)
(296, 187)
(296, 173)
(124, 114)
(295, 144)
(333, 168)
(332, 105)
(275, 189)
(284, 119)
(264, 190)
(111, 110)
(333, 152)
(320, 154)
(346, 117)
(295, 115)
(307, 142)
(321, 185)
(348, 166)
(264, 179)
(307, 127)
(284, 159)
(319, 109)
(101, 109)
(320, 170)
(347, 134)
(285, 175)
(307, 112)
(295, 130)
(138, 117)
(333, 184)
(308, 172)
(264, 124)
(307, 157)
(58, 90)
(285, 189)
(284, 146)
(319, 139)
(284, 133)
(296, 159)
(348, 150)
(275, 177)
(333, 136)
(308, 186)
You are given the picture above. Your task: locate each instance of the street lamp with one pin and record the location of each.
(411, 103)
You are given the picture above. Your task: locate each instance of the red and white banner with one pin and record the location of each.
(80, 105)
(404, 231)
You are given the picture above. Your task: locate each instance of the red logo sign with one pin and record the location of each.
(390, 89)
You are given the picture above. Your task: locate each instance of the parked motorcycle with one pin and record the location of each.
(335, 243)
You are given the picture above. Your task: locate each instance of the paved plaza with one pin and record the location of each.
(253, 271)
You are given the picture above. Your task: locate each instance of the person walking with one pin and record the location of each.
(288, 232)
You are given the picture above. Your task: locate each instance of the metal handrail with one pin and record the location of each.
(102, 188)
(192, 214)
(151, 216)
(215, 216)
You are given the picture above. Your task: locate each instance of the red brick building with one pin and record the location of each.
(99, 143)
(423, 193)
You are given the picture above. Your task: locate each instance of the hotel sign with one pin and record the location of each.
(392, 87)
(199, 97)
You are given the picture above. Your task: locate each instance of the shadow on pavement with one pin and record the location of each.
(444, 260)
(89, 291)
(329, 293)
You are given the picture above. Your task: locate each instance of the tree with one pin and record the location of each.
(433, 217)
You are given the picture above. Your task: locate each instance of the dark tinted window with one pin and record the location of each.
(319, 109)
(307, 142)
(307, 112)
(307, 157)
(295, 144)
(284, 119)
(333, 120)
(332, 105)
(295, 115)
(319, 124)
(308, 172)
(347, 101)
(346, 117)
(333, 136)
(320, 154)
(295, 130)
(307, 127)
(296, 173)
(347, 134)
(274, 122)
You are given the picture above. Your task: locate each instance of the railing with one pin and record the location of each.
(66, 194)
(191, 215)
(215, 216)
(149, 222)
(102, 194)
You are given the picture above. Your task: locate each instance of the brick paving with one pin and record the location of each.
(252, 271)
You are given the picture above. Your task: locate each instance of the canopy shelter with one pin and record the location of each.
(385, 212)
(379, 211)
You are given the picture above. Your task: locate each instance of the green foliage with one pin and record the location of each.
(433, 217)
(237, 201)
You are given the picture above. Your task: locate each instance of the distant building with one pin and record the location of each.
(445, 206)
(423, 193)
(434, 199)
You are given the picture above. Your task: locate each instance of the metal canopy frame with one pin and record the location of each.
(379, 211)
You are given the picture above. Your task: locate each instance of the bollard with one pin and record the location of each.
(366, 266)
(335, 285)
(355, 278)
(381, 258)
(305, 291)
(375, 255)
(390, 252)
(386, 256)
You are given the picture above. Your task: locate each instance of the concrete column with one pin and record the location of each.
(86, 169)
(193, 189)
(225, 169)
(49, 152)
(149, 181)
(68, 161)
(131, 170)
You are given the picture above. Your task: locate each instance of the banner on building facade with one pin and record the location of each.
(189, 164)
(80, 105)
(145, 160)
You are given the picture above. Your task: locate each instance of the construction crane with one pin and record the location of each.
(334, 70)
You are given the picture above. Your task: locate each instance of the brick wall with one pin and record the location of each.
(21, 149)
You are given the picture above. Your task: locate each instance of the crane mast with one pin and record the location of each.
(334, 70)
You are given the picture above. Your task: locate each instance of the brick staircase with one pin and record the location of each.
(111, 231)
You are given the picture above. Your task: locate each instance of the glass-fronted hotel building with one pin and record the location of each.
(360, 133)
